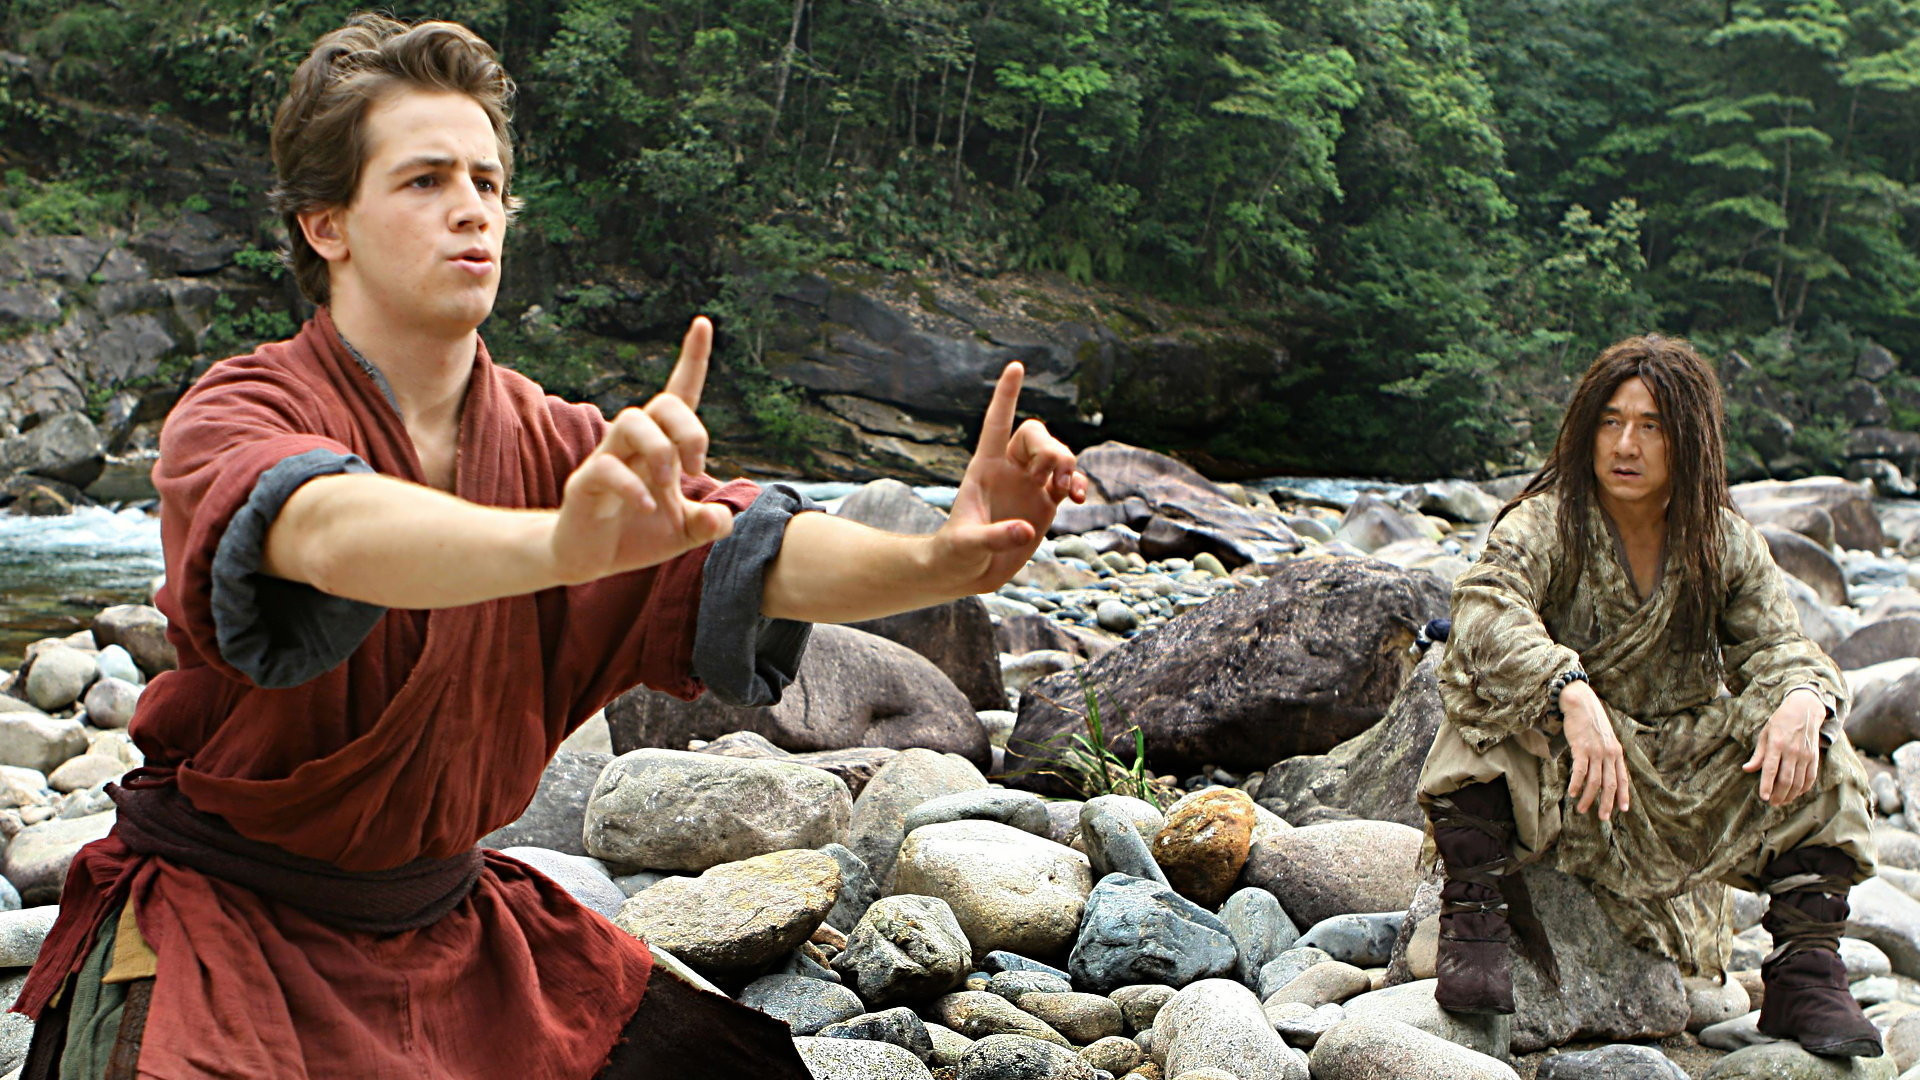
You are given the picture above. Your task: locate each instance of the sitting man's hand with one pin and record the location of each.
(1599, 762)
(623, 509)
(1787, 754)
(1007, 499)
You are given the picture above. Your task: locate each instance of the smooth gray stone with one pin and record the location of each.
(639, 881)
(1137, 931)
(1000, 960)
(905, 948)
(1021, 809)
(1621, 1061)
(1017, 1057)
(901, 1027)
(1734, 1034)
(584, 878)
(1787, 1061)
(1361, 940)
(807, 1005)
(1011, 984)
(1284, 968)
(858, 890)
(858, 1059)
(1114, 845)
(557, 816)
(1260, 930)
(22, 933)
(1302, 1024)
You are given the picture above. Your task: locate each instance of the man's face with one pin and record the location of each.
(423, 234)
(1630, 448)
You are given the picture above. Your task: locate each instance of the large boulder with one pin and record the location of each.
(1608, 989)
(1191, 514)
(1372, 775)
(64, 447)
(1807, 561)
(1889, 639)
(557, 816)
(1886, 715)
(958, 635)
(1295, 665)
(674, 810)
(1855, 524)
(854, 689)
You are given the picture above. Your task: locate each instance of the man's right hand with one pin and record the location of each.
(1599, 762)
(623, 508)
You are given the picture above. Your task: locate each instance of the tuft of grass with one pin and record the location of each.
(1085, 762)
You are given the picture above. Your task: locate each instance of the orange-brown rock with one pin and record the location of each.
(1204, 844)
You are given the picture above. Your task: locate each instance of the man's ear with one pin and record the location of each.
(324, 234)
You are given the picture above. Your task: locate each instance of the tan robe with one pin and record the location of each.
(1686, 720)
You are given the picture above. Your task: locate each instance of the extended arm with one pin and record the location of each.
(833, 570)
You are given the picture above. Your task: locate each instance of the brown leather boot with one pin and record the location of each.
(1807, 999)
(1471, 827)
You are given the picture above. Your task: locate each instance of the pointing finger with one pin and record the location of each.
(997, 428)
(690, 374)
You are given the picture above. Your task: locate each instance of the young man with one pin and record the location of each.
(1583, 686)
(397, 576)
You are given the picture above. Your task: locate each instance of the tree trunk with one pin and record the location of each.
(786, 71)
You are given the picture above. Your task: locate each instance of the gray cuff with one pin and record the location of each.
(276, 632)
(742, 656)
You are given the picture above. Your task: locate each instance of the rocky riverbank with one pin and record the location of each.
(917, 861)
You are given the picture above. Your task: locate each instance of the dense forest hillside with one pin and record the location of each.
(1426, 212)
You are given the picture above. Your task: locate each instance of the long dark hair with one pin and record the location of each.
(1691, 412)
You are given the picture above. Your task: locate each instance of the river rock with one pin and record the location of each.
(807, 1005)
(1808, 561)
(979, 1015)
(109, 702)
(901, 1027)
(116, 662)
(64, 447)
(1711, 1001)
(22, 932)
(855, 765)
(958, 638)
(1787, 1061)
(1382, 1049)
(905, 949)
(1021, 809)
(1023, 634)
(1138, 931)
(1012, 984)
(1082, 1018)
(56, 677)
(1191, 514)
(1301, 1024)
(1371, 523)
(1363, 940)
(1337, 868)
(142, 631)
(854, 689)
(1413, 1004)
(1372, 775)
(1284, 968)
(858, 890)
(1113, 843)
(858, 1059)
(1217, 1023)
(1141, 1002)
(1204, 843)
(1886, 716)
(736, 916)
(1825, 624)
(33, 741)
(1260, 931)
(85, 771)
(1008, 888)
(556, 818)
(1326, 637)
(674, 810)
(1890, 919)
(1114, 1055)
(1856, 525)
(949, 1046)
(1620, 1061)
(1147, 818)
(585, 879)
(1328, 982)
(1889, 639)
(879, 817)
(37, 858)
(1018, 1057)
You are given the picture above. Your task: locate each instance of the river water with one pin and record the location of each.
(56, 573)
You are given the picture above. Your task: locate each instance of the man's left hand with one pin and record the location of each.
(1787, 755)
(1007, 499)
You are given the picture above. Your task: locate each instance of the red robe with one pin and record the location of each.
(431, 734)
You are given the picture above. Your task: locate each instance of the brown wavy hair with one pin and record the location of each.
(1691, 411)
(319, 131)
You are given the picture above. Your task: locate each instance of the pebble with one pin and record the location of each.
(1361, 940)
(36, 860)
(1331, 981)
(1016, 1057)
(901, 1027)
(740, 915)
(33, 741)
(1734, 1034)
(1282, 969)
(110, 702)
(1141, 1002)
(1338, 867)
(857, 888)
(1205, 842)
(85, 771)
(880, 814)
(1413, 1004)
(1217, 1023)
(859, 1059)
(1302, 1024)
(1208, 563)
(1620, 1061)
(1000, 960)
(1863, 959)
(978, 1015)
(1008, 888)
(59, 676)
(1142, 931)
(1114, 845)
(116, 662)
(1012, 984)
(949, 1046)
(1379, 1049)
(1114, 1054)
(1116, 616)
(807, 1005)
(1082, 1018)
(1711, 1001)
(905, 949)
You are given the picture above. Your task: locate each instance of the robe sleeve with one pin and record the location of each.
(743, 657)
(231, 455)
(1766, 653)
(1500, 660)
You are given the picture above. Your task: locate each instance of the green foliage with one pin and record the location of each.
(233, 332)
(1086, 762)
(63, 207)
